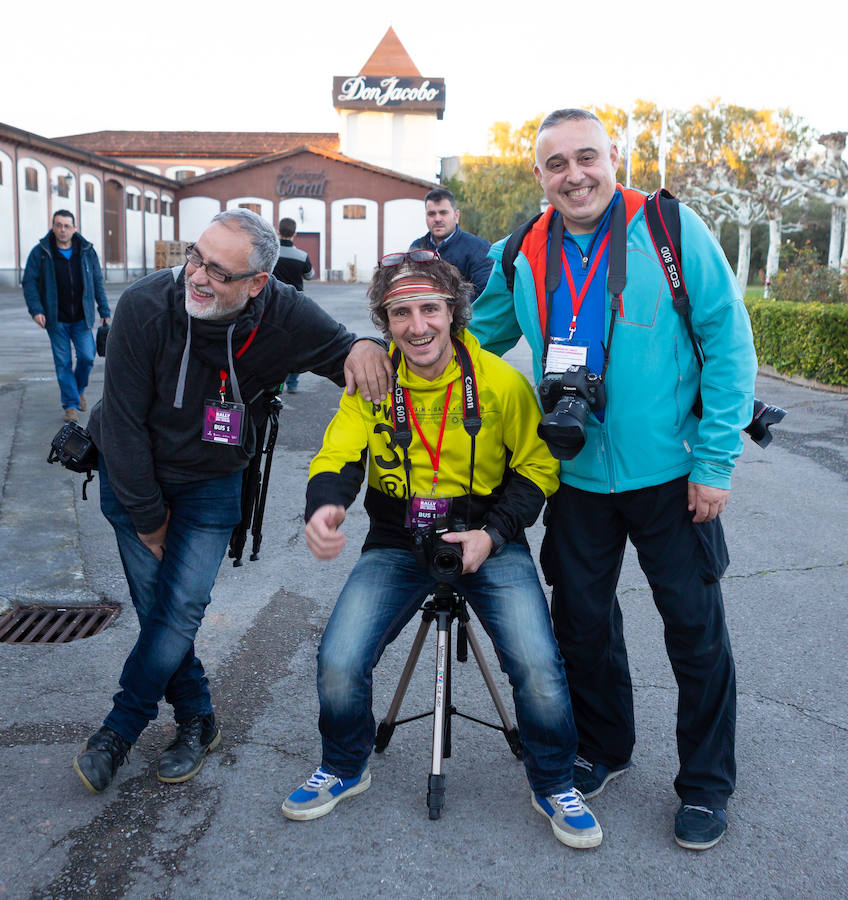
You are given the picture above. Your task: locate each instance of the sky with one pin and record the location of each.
(251, 66)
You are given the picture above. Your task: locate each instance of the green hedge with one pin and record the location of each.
(809, 339)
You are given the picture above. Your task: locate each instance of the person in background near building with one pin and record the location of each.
(190, 360)
(466, 251)
(424, 304)
(651, 469)
(293, 266)
(62, 283)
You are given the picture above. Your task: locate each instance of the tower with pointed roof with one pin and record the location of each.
(389, 111)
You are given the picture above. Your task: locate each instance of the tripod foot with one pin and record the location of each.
(514, 741)
(384, 735)
(435, 795)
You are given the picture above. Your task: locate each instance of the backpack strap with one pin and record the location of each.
(511, 248)
(662, 214)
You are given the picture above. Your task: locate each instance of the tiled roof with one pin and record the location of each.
(234, 144)
(390, 58)
(317, 151)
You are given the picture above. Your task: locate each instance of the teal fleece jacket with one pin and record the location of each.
(650, 434)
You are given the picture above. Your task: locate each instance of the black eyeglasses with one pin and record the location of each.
(395, 259)
(213, 270)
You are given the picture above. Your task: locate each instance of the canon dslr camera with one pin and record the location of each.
(567, 399)
(440, 558)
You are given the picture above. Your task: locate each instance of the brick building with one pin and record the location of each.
(354, 195)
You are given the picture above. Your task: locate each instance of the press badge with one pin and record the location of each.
(563, 353)
(424, 512)
(223, 422)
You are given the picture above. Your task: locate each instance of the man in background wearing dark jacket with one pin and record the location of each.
(62, 282)
(190, 358)
(462, 249)
(293, 266)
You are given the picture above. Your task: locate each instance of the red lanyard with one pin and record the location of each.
(434, 457)
(577, 301)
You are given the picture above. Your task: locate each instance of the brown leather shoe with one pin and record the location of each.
(70, 415)
(83, 403)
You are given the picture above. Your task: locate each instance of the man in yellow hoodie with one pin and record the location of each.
(453, 456)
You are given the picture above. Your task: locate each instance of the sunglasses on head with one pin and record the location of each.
(396, 259)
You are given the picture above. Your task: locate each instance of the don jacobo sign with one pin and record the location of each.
(382, 92)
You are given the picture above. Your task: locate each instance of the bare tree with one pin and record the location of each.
(827, 180)
(716, 189)
(775, 198)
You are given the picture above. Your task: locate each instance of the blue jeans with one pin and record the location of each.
(170, 598)
(382, 594)
(73, 380)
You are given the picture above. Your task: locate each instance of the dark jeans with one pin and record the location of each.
(581, 556)
(382, 594)
(170, 598)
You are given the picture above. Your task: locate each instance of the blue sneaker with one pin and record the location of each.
(574, 824)
(320, 794)
(698, 827)
(591, 778)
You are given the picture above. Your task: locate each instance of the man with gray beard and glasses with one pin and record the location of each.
(190, 355)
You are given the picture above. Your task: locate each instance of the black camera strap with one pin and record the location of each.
(471, 419)
(616, 272)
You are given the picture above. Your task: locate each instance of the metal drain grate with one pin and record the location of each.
(54, 625)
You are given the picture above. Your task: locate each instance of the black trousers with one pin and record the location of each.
(581, 557)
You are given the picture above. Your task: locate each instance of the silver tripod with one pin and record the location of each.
(444, 606)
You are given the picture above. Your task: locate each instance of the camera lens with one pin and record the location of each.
(447, 561)
(563, 429)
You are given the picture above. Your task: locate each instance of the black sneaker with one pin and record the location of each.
(104, 752)
(183, 758)
(698, 827)
(591, 778)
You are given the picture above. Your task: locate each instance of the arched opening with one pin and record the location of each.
(113, 214)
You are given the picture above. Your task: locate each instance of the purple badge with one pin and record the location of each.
(222, 422)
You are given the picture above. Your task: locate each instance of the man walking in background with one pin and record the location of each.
(293, 266)
(62, 282)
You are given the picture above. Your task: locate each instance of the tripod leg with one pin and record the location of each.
(386, 728)
(510, 731)
(436, 781)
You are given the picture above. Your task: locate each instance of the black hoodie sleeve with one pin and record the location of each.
(120, 428)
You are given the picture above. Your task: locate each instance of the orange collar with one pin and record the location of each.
(535, 246)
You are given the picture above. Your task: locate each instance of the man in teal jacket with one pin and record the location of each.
(650, 469)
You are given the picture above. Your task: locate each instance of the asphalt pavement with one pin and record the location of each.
(222, 835)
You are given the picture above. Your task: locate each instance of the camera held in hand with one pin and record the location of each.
(440, 558)
(567, 399)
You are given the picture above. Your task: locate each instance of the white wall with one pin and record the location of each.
(69, 202)
(151, 230)
(7, 215)
(195, 170)
(404, 142)
(310, 215)
(403, 222)
(135, 247)
(167, 221)
(354, 240)
(33, 223)
(414, 145)
(266, 207)
(91, 214)
(195, 214)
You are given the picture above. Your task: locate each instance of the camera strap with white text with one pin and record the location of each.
(471, 420)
